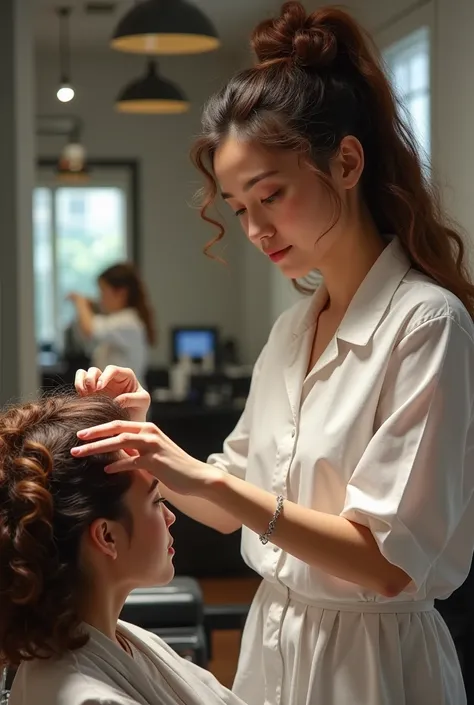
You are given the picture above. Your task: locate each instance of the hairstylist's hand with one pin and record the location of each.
(119, 383)
(152, 451)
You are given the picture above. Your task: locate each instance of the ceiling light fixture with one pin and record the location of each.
(152, 94)
(165, 27)
(65, 91)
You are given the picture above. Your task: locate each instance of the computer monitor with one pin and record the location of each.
(195, 342)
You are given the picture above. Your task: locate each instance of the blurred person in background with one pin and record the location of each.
(124, 331)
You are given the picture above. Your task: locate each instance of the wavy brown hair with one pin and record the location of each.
(318, 79)
(125, 276)
(48, 499)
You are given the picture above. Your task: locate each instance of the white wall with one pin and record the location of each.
(454, 109)
(186, 287)
(451, 24)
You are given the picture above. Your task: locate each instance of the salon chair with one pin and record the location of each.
(173, 612)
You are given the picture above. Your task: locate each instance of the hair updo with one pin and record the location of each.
(319, 78)
(48, 499)
(294, 37)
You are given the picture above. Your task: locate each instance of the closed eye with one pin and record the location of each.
(159, 500)
(273, 197)
(269, 200)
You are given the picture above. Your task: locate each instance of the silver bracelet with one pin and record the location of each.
(271, 526)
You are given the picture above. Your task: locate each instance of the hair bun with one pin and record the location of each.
(295, 36)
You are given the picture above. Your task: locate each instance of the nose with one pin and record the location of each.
(170, 518)
(258, 226)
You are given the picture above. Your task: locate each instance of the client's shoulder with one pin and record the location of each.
(72, 679)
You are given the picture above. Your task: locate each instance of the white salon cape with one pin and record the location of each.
(102, 673)
(120, 339)
(379, 432)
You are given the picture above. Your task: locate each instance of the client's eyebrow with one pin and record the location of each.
(153, 484)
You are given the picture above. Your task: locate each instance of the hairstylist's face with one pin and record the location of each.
(285, 209)
(111, 298)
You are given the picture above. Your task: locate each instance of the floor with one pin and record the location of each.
(226, 644)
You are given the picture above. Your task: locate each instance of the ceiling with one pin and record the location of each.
(90, 31)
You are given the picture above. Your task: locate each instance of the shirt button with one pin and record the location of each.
(293, 433)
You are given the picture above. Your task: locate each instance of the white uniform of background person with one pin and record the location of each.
(122, 334)
(380, 432)
(120, 339)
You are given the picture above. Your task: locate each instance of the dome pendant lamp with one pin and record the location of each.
(165, 27)
(152, 94)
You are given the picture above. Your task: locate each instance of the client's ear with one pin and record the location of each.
(103, 535)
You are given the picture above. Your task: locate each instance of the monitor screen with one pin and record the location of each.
(195, 343)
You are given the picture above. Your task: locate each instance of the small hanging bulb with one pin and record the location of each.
(65, 92)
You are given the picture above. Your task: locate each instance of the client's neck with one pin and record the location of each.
(101, 608)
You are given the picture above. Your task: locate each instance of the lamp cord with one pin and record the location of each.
(64, 45)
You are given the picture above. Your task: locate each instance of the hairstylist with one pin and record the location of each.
(351, 469)
(124, 331)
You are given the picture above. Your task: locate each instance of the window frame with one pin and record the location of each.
(401, 27)
(131, 169)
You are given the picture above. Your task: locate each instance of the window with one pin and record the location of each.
(78, 231)
(408, 61)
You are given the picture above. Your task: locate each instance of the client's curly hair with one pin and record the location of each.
(48, 498)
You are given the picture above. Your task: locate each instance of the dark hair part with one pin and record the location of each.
(317, 80)
(125, 276)
(48, 499)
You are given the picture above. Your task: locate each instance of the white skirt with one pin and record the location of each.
(352, 654)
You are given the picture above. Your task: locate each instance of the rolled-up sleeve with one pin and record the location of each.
(233, 458)
(414, 481)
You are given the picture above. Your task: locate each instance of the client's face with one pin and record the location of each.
(148, 557)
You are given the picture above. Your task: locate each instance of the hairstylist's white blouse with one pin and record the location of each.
(380, 432)
(120, 339)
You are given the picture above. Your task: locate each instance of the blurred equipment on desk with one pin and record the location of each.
(198, 343)
(204, 371)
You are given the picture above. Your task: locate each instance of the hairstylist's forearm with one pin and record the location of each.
(331, 543)
(85, 316)
(203, 511)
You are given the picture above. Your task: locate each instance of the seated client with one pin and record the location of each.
(74, 541)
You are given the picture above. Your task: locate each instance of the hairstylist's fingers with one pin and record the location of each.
(79, 382)
(119, 375)
(90, 382)
(134, 399)
(124, 465)
(143, 443)
(113, 428)
(131, 452)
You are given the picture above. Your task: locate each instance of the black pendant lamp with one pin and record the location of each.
(165, 27)
(152, 94)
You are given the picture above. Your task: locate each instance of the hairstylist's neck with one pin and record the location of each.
(102, 605)
(350, 260)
